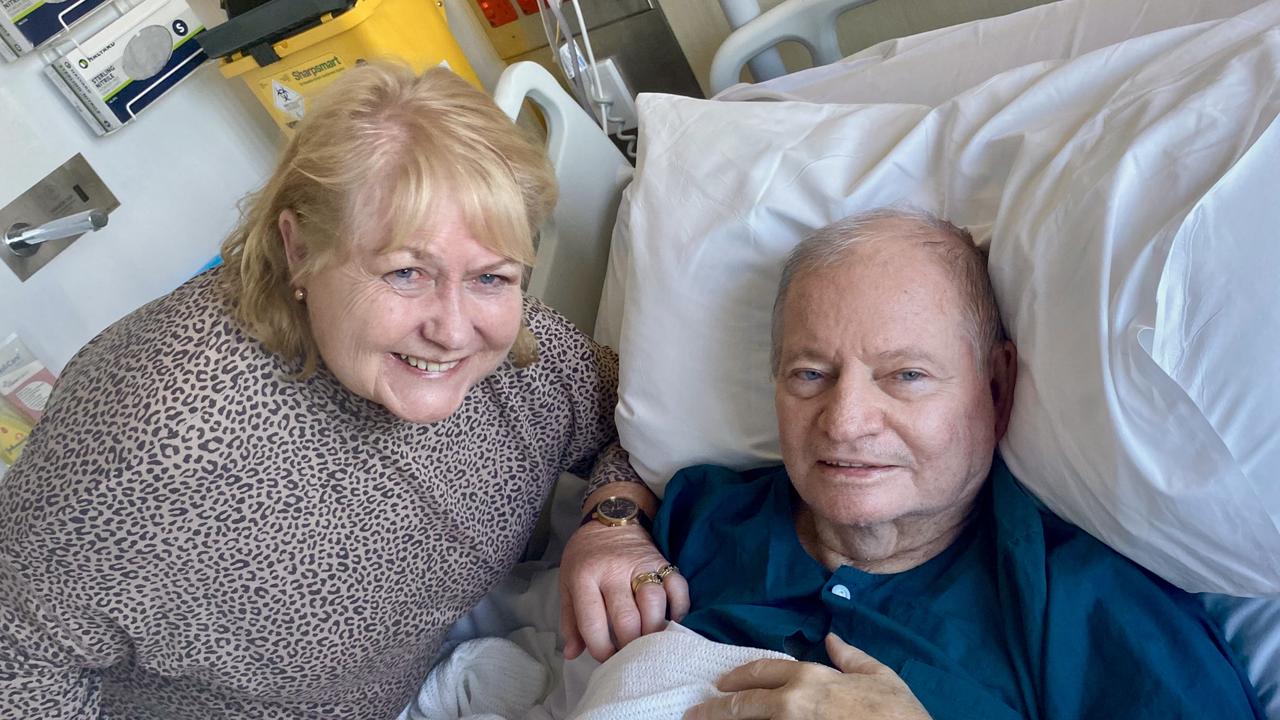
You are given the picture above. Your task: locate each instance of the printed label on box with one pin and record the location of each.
(131, 63)
(288, 101)
(27, 24)
(289, 88)
(25, 383)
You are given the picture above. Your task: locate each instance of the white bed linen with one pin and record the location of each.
(1252, 626)
(657, 677)
(490, 678)
(660, 676)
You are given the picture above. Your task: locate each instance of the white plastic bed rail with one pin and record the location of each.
(811, 23)
(573, 251)
(767, 64)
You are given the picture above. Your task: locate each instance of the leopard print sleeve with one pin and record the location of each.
(50, 650)
(588, 373)
(47, 660)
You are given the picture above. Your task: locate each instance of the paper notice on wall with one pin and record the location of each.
(25, 383)
(14, 430)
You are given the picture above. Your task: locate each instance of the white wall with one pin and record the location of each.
(178, 171)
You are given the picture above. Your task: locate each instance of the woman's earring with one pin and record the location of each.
(300, 294)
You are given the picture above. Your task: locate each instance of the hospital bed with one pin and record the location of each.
(1117, 156)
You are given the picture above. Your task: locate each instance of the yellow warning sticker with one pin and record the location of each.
(289, 88)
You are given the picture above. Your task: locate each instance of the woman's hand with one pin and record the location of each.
(595, 590)
(785, 689)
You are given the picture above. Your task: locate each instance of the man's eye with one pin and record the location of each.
(808, 375)
(402, 277)
(911, 375)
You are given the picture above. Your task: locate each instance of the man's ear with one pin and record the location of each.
(295, 250)
(1004, 375)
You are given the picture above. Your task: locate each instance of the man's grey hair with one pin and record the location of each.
(953, 246)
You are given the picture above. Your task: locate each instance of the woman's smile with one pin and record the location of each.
(429, 367)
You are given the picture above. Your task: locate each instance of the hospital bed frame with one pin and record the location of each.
(811, 23)
(574, 247)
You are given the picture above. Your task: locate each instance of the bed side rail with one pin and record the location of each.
(573, 249)
(811, 23)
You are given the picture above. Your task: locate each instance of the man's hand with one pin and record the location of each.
(595, 590)
(784, 689)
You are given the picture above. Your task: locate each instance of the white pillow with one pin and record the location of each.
(905, 70)
(1137, 270)
(724, 190)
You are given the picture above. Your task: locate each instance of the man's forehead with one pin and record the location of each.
(894, 298)
(880, 265)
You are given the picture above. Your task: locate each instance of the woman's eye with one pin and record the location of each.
(491, 280)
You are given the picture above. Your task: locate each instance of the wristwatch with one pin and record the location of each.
(616, 512)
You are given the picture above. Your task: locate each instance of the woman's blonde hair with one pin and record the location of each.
(378, 155)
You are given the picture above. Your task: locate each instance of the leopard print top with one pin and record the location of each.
(188, 535)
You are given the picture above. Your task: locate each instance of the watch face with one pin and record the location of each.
(617, 508)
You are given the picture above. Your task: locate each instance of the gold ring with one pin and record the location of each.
(644, 578)
(666, 570)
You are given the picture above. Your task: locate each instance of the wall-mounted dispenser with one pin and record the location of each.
(50, 215)
(125, 67)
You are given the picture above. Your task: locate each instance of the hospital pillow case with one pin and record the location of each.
(1128, 196)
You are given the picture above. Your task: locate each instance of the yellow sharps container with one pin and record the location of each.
(288, 50)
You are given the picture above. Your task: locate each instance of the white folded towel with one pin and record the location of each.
(660, 676)
(483, 679)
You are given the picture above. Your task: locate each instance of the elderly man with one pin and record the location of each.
(894, 545)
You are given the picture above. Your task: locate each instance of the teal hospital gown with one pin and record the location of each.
(1024, 616)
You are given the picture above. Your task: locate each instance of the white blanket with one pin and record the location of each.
(484, 679)
(660, 676)
(657, 677)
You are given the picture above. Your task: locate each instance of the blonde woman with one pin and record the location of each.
(269, 493)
